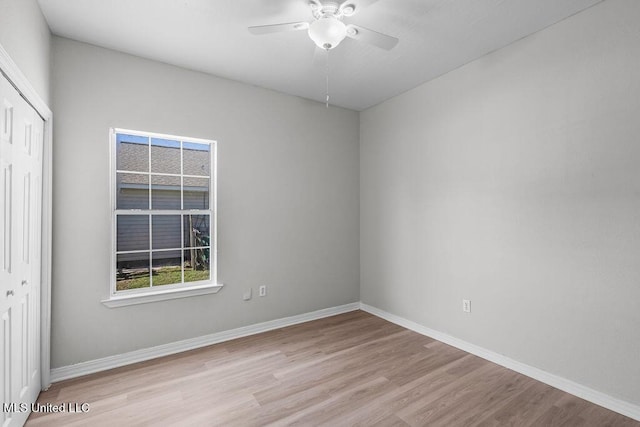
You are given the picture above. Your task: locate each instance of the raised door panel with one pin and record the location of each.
(6, 217)
(31, 282)
(6, 186)
(6, 368)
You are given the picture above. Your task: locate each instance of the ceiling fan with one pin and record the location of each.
(327, 29)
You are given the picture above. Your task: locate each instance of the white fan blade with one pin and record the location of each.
(383, 41)
(277, 28)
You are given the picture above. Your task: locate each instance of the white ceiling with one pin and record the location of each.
(436, 36)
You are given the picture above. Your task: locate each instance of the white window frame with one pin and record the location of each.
(181, 290)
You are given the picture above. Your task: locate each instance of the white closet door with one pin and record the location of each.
(21, 141)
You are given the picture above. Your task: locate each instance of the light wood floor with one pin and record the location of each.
(351, 369)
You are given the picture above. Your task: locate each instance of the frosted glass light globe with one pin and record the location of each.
(327, 32)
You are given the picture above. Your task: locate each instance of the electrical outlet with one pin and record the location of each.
(262, 290)
(466, 305)
(247, 295)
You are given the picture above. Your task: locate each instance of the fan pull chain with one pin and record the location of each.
(327, 79)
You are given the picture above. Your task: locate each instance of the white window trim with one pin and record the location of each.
(182, 292)
(166, 292)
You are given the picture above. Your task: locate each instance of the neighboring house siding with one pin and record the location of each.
(133, 233)
(133, 230)
(132, 198)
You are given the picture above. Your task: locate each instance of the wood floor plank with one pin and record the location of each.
(526, 406)
(390, 421)
(488, 400)
(352, 369)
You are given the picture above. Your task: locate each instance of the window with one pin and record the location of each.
(164, 236)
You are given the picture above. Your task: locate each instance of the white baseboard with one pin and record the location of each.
(625, 408)
(110, 362)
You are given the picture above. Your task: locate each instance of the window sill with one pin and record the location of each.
(122, 301)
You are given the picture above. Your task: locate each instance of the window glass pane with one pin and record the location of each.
(167, 267)
(166, 232)
(132, 153)
(165, 192)
(132, 271)
(132, 191)
(197, 264)
(165, 156)
(196, 193)
(196, 159)
(196, 230)
(132, 232)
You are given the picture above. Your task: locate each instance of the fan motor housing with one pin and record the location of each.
(327, 8)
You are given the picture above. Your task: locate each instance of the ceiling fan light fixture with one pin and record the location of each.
(327, 32)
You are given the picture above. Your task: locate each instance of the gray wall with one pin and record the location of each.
(25, 35)
(288, 199)
(514, 181)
